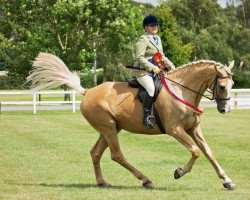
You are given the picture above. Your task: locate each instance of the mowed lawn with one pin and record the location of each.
(46, 156)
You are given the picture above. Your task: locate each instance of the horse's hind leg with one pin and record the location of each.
(200, 141)
(96, 154)
(116, 155)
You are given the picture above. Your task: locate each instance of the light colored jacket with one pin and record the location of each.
(146, 47)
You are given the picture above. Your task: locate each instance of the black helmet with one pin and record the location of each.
(150, 20)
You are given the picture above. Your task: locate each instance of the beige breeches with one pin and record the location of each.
(147, 82)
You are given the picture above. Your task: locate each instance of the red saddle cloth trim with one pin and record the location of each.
(163, 79)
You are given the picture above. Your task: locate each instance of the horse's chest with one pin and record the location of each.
(190, 120)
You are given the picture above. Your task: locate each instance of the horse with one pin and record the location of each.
(114, 106)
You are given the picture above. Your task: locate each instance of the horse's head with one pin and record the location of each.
(221, 87)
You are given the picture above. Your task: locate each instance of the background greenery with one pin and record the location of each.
(74, 29)
(46, 156)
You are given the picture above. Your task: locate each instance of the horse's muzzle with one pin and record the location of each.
(223, 106)
(224, 109)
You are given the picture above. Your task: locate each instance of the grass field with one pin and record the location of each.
(46, 156)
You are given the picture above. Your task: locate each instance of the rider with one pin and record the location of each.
(146, 47)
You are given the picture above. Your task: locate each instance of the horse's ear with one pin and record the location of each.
(231, 65)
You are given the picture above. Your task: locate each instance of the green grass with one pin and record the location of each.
(46, 156)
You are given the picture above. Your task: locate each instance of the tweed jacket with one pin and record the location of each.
(146, 47)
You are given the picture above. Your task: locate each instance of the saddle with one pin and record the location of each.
(142, 92)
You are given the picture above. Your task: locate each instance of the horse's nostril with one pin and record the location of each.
(222, 110)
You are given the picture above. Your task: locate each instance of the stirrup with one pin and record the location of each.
(148, 122)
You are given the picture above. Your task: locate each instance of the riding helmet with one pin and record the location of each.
(150, 20)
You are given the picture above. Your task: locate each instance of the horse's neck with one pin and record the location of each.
(195, 78)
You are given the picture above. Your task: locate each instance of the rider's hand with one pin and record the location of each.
(168, 66)
(172, 66)
(156, 70)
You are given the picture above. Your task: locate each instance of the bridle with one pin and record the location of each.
(214, 90)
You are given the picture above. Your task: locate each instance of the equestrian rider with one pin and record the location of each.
(146, 47)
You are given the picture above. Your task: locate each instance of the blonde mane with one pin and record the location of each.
(195, 63)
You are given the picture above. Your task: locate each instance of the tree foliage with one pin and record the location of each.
(75, 29)
(215, 33)
(67, 29)
(176, 51)
(52, 26)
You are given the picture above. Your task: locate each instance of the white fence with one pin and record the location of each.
(240, 98)
(5, 105)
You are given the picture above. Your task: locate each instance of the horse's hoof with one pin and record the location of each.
(177, 174)
(104, 185)
(229, 185)
(148, 184)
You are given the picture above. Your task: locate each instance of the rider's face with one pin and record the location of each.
(152, 29)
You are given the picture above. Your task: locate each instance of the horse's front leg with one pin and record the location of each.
(179, 134)
(200, 141)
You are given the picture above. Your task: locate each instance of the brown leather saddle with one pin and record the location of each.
(142, 92)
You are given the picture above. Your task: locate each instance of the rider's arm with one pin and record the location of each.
(166, 61)
(141, 53)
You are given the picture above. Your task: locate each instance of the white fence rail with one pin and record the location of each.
(240, 98)
(34, 102)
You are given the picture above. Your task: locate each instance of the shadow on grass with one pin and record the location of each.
(86, 186)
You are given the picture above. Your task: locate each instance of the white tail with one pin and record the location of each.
(49, 71)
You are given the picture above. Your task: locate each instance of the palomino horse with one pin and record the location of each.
(113, 106)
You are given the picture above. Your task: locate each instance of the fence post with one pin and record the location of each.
(34, 102)
(235, 99)
(74, 101)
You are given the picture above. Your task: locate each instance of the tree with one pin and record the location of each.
(203, 24)
(243, 11)
(68, 29)
(53, 26)
(238, 40)
(175, 50)
(115, 27)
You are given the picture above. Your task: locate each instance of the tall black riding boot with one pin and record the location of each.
(147, 104)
